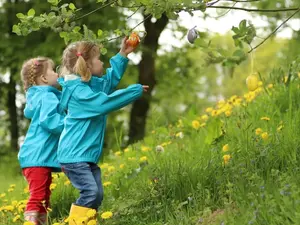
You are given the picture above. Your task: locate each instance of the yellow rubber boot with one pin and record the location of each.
(81, 215)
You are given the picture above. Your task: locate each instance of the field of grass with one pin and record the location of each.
(235, 163)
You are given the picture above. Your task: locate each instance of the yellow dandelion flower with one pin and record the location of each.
(92, 222)
(145, 148)
(228, 113)
(265, 136)
(260, 83)
(225, 148)
(209, 109)
(56, 224)
(67, 182)
(9, 208)
(131, 158)
(91, 213)
(14, 203)
(118, 153)
(104, 166)
(122, 166)
(107, 183)
(53, 186)
(258, 131)
(143, 159)
(28, 223)
(195, 124)
(270, 86)
(204, 117)
(21, 208)
(126, 150)
(153, 132)
(111, 169)
(2, 195)
(12, 186)
(106, 215)
(226, 158)
(16, 218)
(265, 118)
(214, 112)
(10, 189)
(179, 134)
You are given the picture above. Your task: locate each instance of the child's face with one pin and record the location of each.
(97, 66)
(51, 76)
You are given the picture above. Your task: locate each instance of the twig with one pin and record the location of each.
(253, 10)
(212, 3)
(245, 1)
(277, 28)
(95, 10)
(134, 12)
(225, 12)
(114, 38)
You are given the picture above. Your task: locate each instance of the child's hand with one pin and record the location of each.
(145, 88)
(126, 48)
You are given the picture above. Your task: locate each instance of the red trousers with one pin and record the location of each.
(39, 180)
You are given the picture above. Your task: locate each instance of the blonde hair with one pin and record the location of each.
(34, 68)
(77, 59)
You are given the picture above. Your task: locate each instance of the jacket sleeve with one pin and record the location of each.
(115, 73)
(90, 104)
(50, 119)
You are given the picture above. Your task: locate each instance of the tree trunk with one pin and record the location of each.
(146, 67)
(12, 112)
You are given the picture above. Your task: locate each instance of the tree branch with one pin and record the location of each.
(245, 1)
(134, 12)
(254, 10)
(95, 10)
(271, 34)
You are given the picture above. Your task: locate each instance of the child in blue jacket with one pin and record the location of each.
(37, 155)
(88, 99)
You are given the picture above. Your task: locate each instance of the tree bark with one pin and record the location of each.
(138, 114)
(12, 111)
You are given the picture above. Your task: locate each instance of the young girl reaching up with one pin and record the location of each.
(88, 97)
(37, 155)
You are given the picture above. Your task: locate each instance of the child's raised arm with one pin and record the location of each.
(90, 104)
(50, 119)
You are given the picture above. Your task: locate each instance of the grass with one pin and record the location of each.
(182, 174)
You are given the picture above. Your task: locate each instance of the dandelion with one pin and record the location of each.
(56, 224)
(107, 183)
(209, 109)
(265, 118)
(265, 136)
(92, 222)
(28, 223)
(204, 117)
(214, 113)
(180, 135)
(270, 86)
(226, 158)
(91, 213)
(104, 166)
(12, 186)
(2, 195)
(228, 113)
(159, 148)
(195, 124)
(260, 83)
(153, 132)
(122, 166)
(145, 148)
(14, 203)
(143, 159)
(21, 208)
(225, 148)
(258, 131)
(126, 150)
(118, 153)
(106, 215)
(16, 218)
(111, 168)
(53, 186)
(131, 158)
(9, 208)
(10, 189)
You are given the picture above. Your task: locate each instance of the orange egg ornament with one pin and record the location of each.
(133, 39)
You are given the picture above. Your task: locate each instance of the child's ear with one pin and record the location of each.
(44, 79)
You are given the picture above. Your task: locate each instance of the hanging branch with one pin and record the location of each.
(253, 10)
(277, 28)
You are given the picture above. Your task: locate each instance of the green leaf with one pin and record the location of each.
(243, 25)
(76, 29)
(72, 6)
(200, 42)
(235, 30)
(20, 15)
(54, 2)
(63, 34)
(31, 12)
(103, 51)
(16, 29)
(100, 33)
(38, 19)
